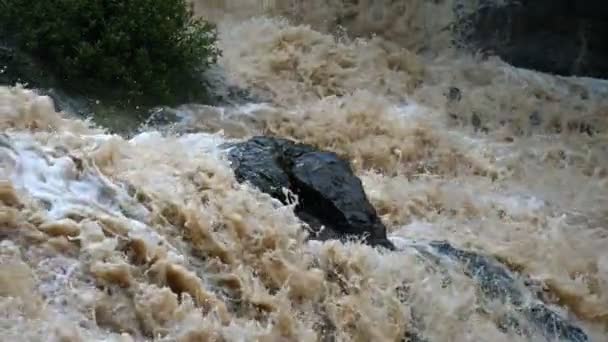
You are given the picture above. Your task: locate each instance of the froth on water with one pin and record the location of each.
(106, 238)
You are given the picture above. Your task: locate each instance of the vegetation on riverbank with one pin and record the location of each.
(132, 53)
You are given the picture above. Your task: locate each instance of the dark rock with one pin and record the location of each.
(329, 194)
(454, 94)
(255, 161)
(564, 37)
(476, 121)
(496, 282)
(413, 336)
(553, 326)
(535, 119)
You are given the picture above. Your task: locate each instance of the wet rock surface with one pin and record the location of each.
(331, 199)
(496, 282)
(563, 37)
(330, 195)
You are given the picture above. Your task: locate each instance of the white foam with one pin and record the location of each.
(55, 181)
(412, 110)
(516, 204)
(400, 243)
(250, 109)
(64, 190)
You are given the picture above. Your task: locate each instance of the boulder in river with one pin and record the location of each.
(330, 196)
(497, 283)
(563, 37)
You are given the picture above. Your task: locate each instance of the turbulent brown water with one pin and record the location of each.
(108, 238)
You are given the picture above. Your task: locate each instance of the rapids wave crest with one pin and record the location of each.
(150, 237)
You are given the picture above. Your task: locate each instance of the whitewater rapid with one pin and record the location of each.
(150, 237)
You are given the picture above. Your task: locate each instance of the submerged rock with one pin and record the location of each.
(496, 282)
(330, 196)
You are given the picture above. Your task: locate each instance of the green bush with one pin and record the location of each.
(135, 49)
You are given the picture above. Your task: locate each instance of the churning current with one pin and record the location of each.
(495, 197)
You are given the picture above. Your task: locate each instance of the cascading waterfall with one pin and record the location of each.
(493, 193)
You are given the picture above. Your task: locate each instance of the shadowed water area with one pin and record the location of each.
(490, 181)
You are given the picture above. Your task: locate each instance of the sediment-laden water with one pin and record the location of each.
(150, 237)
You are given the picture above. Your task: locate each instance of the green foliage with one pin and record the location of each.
(148, 50)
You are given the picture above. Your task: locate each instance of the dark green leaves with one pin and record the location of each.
(146, 49)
